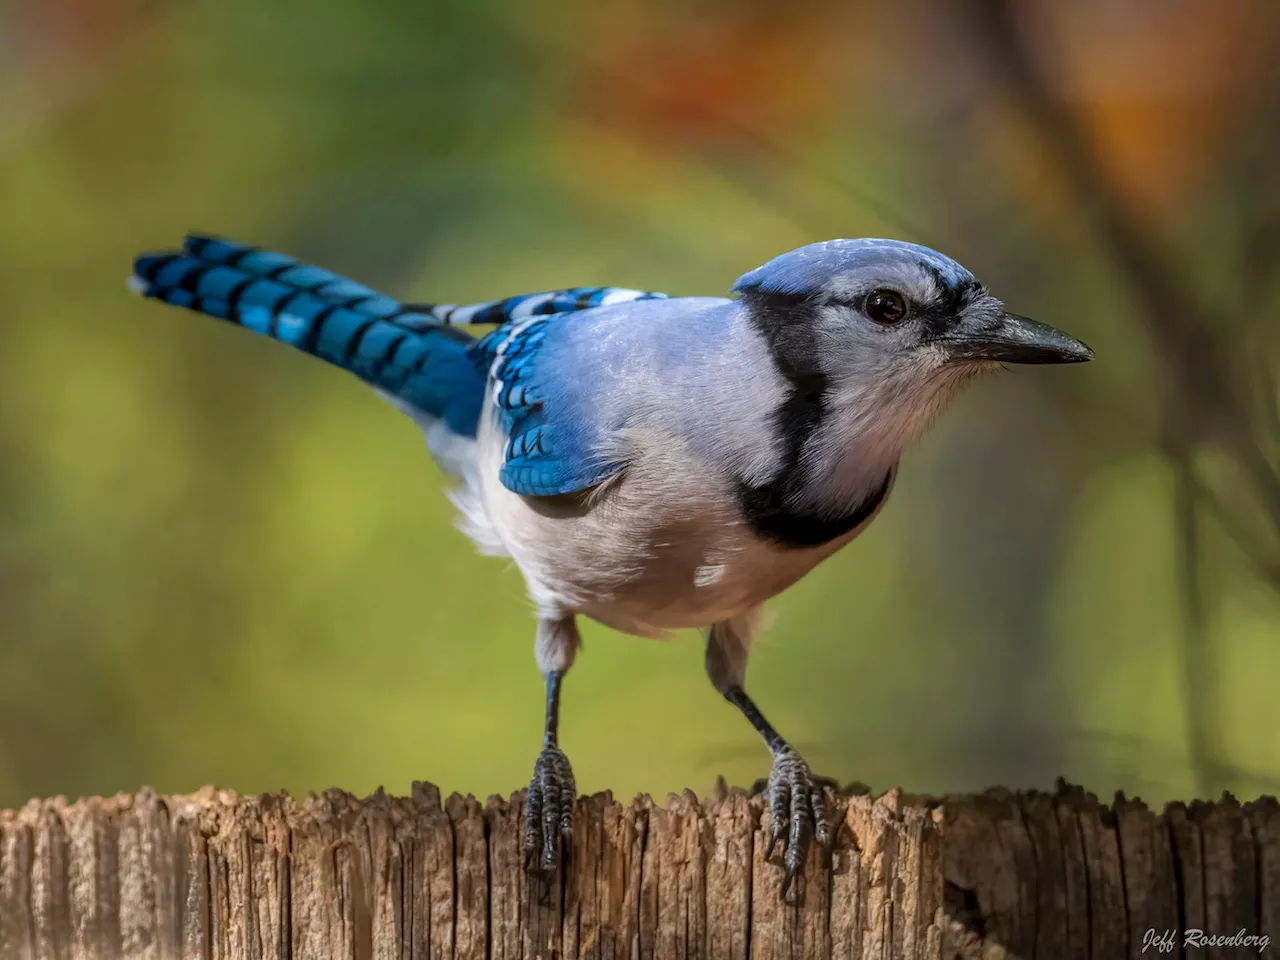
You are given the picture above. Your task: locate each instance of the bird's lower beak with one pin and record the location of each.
(1010, 338)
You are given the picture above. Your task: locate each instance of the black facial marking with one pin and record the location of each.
(787, 324)
(943, 312)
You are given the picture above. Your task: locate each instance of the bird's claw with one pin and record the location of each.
(797, 813)
(548, 811)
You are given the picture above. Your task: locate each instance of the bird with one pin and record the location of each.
(652, 462)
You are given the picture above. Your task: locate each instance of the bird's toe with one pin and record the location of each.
(797, 814)
(548, 812)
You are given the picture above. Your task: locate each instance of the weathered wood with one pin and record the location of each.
(215, 875)
(1089, 880)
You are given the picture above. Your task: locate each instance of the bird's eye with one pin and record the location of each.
(886, 306)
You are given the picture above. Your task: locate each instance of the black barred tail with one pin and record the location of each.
(403, 350)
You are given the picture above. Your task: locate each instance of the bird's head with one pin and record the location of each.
(881, 333)
(899, 306)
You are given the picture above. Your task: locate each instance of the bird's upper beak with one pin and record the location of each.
(1009, 338)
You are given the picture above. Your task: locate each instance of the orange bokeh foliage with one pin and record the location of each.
(717, 74)
(1161, 88)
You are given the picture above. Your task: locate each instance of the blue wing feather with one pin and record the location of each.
(546, 452)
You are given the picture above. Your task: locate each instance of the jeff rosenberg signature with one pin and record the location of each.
(1166, 941)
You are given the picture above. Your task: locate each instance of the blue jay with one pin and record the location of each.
(652, 462)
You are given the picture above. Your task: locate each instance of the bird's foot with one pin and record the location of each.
(797, 812)
(548, 811)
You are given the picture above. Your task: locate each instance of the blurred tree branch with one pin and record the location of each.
(1197, 663)
(1204, 374)
(1208, 379)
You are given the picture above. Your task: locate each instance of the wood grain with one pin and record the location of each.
(217, 875)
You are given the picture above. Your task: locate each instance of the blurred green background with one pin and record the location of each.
(222, 561)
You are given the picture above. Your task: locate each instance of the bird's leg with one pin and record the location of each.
(797, 805)
(548, 811)
(797, 808)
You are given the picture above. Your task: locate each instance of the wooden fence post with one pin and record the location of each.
(216, 875)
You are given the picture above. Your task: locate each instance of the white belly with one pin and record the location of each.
(662, 547)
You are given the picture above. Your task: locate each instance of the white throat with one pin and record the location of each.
(869, 424)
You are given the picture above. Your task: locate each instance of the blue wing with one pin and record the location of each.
(549, 450)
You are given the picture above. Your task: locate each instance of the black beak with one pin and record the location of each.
(1013, 339)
